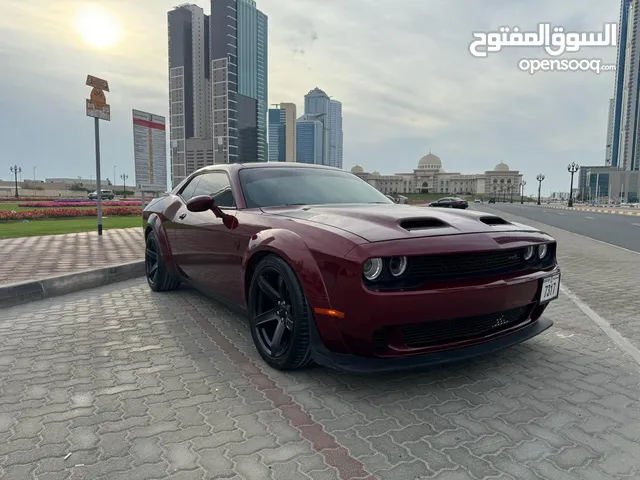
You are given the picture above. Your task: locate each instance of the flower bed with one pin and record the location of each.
(85, 200)
(68, 213)
(26, 199)
(77, 204)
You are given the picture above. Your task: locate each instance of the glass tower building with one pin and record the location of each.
(310, 139)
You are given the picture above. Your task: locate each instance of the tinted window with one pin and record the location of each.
(267, 187)
(216, 184)
(189, 188)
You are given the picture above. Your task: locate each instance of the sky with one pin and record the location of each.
(401, 68)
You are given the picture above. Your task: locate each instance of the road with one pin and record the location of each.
(620, 230)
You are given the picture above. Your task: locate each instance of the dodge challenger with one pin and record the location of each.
(330, 271)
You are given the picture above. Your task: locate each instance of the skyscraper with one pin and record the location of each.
(188, 79)
(335, 134)
(318, 103)
(625, 147)
(310, 135)
(610, 124)
(217, 84)
(238, 51)
(282, 133)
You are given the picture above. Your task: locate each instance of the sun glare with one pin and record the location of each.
(97, 27)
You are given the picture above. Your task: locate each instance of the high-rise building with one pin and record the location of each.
(318, 103)
(310, 135)
(238, 51)
(282, 133)
(625, 144)
(335, 134)
(217, 84)
(610, 121)
(188, 82)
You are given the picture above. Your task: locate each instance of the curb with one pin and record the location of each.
(596, 210)
(29, 291)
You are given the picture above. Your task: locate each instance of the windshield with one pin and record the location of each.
(270, 187)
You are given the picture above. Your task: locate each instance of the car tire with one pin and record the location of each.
(158, 277)
(296, 352)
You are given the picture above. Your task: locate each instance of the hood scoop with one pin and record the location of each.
(422, 224)
(494, 221)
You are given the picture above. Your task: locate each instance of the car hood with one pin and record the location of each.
(377, 223)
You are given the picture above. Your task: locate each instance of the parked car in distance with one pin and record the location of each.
(106, 195)
(330, 271)
(478, 200)
(492, 200)
(450, 202)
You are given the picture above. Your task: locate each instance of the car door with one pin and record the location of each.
(207, 245)
(175, 222)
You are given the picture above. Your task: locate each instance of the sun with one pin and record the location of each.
(97, 27)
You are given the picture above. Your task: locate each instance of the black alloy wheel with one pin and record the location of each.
(158, 277)
(279, 315)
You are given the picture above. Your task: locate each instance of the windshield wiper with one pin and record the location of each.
(382, 203)
(294, 204)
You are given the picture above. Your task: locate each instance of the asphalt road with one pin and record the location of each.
(620, 230)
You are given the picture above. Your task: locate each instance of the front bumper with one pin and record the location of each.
(356, 364)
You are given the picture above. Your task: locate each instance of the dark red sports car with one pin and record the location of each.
(331, 271)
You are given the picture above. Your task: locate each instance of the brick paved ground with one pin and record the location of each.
(29, 258)
(137, 385)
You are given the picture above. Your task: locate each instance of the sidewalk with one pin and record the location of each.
(614, 210)
(31, 258)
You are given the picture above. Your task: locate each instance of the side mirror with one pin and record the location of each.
(201, 203)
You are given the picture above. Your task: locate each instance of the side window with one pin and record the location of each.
(216, 184)
(188, 191)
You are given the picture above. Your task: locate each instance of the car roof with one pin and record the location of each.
(235, 167)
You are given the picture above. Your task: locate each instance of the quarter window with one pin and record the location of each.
(188, 191)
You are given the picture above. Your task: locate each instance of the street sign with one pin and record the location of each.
(150, 151)
(98, 83)
(99, 109)
(97, 106)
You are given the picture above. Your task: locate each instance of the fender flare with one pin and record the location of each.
(155, 223)
(294, 250)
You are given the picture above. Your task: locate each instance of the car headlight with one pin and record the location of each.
(529, 252)
(372, 268)
(398, 265)
(542, 251)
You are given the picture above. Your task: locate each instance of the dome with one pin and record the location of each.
(501, 167)
(430, 161)
(375, 174)
(357, 169)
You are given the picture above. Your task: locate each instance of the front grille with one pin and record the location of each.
(465, 265)
(431, 334)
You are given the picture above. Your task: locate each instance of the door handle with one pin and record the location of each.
(182, 217)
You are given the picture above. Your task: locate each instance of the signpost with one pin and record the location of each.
(99, 109)
(150, 152)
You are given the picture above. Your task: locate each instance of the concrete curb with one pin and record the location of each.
(29, 291)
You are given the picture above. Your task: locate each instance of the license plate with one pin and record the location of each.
(550, 288)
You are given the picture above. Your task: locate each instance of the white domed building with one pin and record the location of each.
(430, 177)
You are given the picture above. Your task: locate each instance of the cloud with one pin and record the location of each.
(401, 68)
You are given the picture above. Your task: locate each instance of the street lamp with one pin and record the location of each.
(124, 177)
(572, 168)
(16, 170)
(522, 184)
(511, 189)
(539, 178)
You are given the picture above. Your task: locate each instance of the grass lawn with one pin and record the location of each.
(65, 225)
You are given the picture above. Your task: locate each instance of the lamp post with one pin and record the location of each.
(539, 178)
(124, 177)
(114, 174)
(511, 189)
(522, 184)
(16, 170)
(501, 193)
(572, 169)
